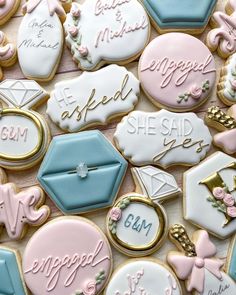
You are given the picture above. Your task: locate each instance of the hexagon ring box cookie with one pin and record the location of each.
(82, 172)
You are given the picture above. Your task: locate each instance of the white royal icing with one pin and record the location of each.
(93, 98)
(162, 138)
(107, 30)
(196, 194)
(40, 43)
(143, 277)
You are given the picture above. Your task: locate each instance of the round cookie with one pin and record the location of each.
(7, 9)
(69, 255)
(177, 72)
(143, 276)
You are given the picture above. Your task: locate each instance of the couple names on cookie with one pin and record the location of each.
(121, 32)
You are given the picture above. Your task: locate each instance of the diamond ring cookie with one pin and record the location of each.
(11, 272)
(197, 265)
(76, 182)
(136, 225)
(162, 138)
(7, 9)
(209, 188)
(177, 72)
(84, 101)
(24, 134)
(186, 16)
(104, 31)
(19, 209)
(222, 36)
(69, 255)
(143, 276)
(41, 38)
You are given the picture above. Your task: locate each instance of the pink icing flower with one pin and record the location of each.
(195, 91)
(231, 211)
(2, 3)
(233, 84)
(73, 31)
(228, 200)
(115, 214)
(83, 51)
(75, 11)
(90, 288)
(219, 193)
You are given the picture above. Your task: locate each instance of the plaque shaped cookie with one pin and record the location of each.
(93, 98)
(41, 38)
(24, 134)
(103, 31)
(209, 188)
(197, 265)
(162, 138)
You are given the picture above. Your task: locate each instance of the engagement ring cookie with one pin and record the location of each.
(231, 259)
(162, 138)
(197, 265)
(69, 255)
(137, 223)
(177, 72)
(40, 38)
(82, 180)
(7, 9)
(24, 134)
(209, 191)
(143, 277)
(104, 31)
(186, 16)
(11, 273)
(19, 209)
(93, 98)
(222, 36)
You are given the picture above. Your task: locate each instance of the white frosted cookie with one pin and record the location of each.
(93, 98)
(105, 31)
(162, 138)
(143, 277)
(40, 38)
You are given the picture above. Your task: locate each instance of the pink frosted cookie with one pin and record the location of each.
(177, 72)
(7, 9)
(18, 209)
(68, 256)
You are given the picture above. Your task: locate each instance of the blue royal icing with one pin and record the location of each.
(182, 14)
(78, 192)
(232, 263)
(10, 274)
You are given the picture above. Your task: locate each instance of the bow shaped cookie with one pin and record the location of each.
(7, 53)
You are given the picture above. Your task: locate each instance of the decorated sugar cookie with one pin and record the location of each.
(186, 16)
(40, 38)
(147, 276)
(162, 138)
(104, 31)
(69, 255)
(11, 272)
(231, 259)
(197, 265)
(24, 134)
(177, 71)
(85, 101)
(7, 9)
(8, 54)
(137, 223)
(226, 124)
(209, 188)
(222, 36)
(83, 172)
(18, 209)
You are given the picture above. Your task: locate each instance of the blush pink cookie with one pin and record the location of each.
(68, 256)
(177, 72)
(7, 9)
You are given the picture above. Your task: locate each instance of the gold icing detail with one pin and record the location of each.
(215, 115)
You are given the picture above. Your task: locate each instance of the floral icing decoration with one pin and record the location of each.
(116, 214)
(224, 202)
(90, 287)
(195, 92)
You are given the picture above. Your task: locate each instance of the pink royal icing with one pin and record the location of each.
(54, 6)
(6, 7)
(67, 256)
(177, 71)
